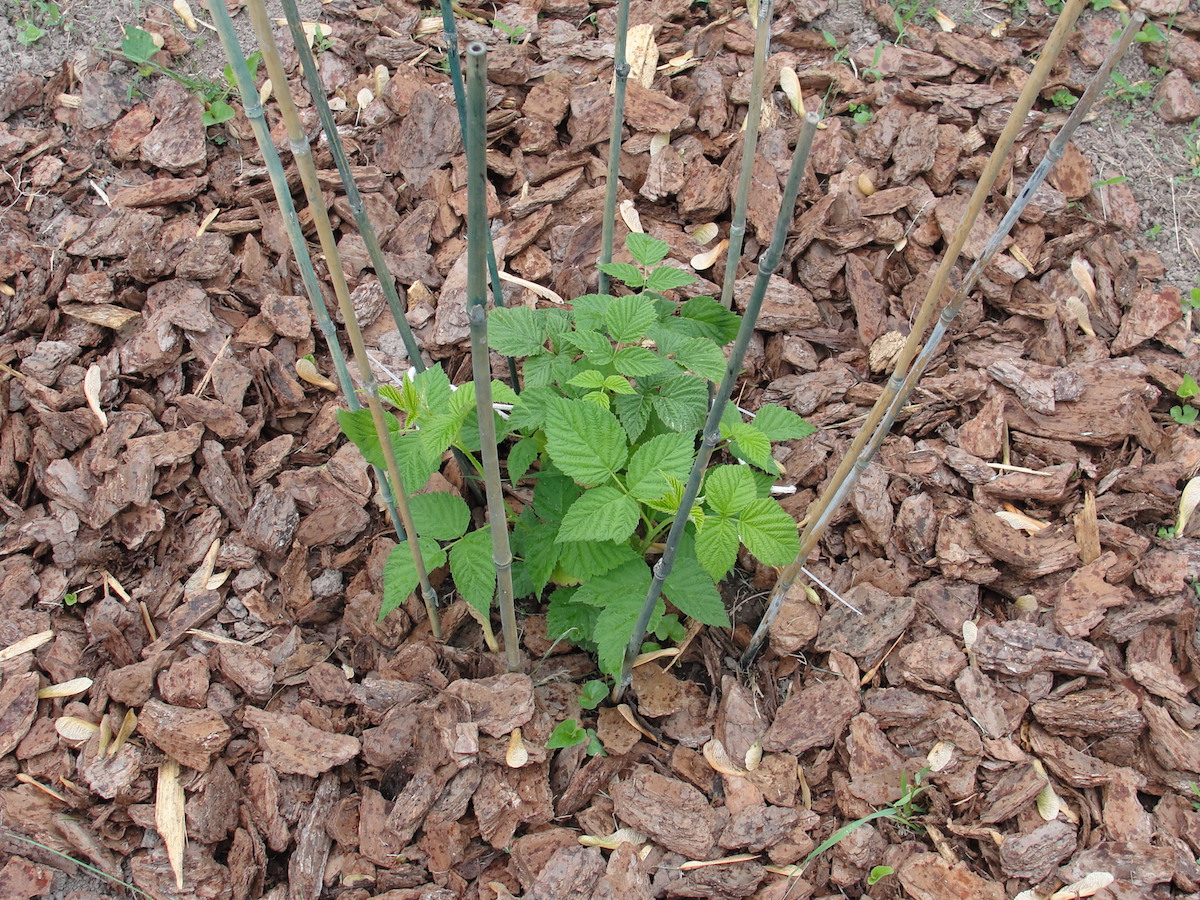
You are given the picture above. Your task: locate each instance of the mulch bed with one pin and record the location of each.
(166, 470)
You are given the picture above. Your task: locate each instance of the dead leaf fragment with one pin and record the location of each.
(169, 816)
(91, 392)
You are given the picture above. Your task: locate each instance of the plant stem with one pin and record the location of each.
(302, 154)
(836, 489)
(737, 229)
(612, 177)
(767, 264)
(291, 224)
(475, 138)
(450, 35)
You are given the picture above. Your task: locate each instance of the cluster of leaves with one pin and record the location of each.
(1185, 413)
(607, 428)
(139, 47)
(37, 18)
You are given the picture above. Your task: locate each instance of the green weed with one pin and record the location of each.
(1063, 99)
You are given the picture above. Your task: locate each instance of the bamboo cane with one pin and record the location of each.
(450, 35)
(737, 229)
(475, 136)
(262, 133)
(767, 264)
(612, 178)
(810, 536)
(366, 230)
(302, 154)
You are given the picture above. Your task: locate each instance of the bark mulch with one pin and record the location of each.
(184, 526)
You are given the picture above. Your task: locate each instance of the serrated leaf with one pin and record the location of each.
(595, 346)
(553, 494)
(693, 592)
(623, 272)
(581, 560)
(769, 533)
(474, 571)
(646, 250)
(668, 278)
(752, 445)
(589, 311)
(529, 412)
(439, 515)
(585, 441)
(716, 546)
(416, 460)
(619, 594)
(516, 330)
(601, 514)
(521, 457)
(618, 385)
(359, 428)
(433, 387)
(711, 319)
(729, 489)
(599, 398)
(681, 403)
(701, 356)
(634, 412)
(533, 541)
(627, 318)
(400, 573)
(591, 379)
(570, 621)
(781, 424)
(662, 457)
(637, 361)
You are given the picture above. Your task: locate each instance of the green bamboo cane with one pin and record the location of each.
(477, 232)
(450, 36)
(821, 511)
(262, 133)
(737, 230)
(365, 229)
(767, 264)
(612, 178)
(302, 154)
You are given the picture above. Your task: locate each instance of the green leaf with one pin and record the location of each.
(601, 514)
(570, 621)
(552, 495)
(218, 111)
(415, 460)
(533, 541)
(595, 346)
(585, 441)
(403, 398)
(516, 330)
(439, 515)
(646, 250)
(581, 560)
(668, 278)
(781, 424)
(750, 444)
(636, 361)
(879, 872)
(521, 457)
(634, 412)
(1188, 388)
(359, 427)
(682, 402)
(701, 356)
(529, 412)
(593, 694)
(711, 319)
(693, 592)
(474, 570)
(769, 532)
(716, 546)
(589, 311)
(566, 734)
(623, 272)
(138, 46)
(660, 458)
(619, 385)
(628, 318)
(591, 379)
(400, 573)
(599, 398)
(729, 489)
(620, 593)
(433, 387)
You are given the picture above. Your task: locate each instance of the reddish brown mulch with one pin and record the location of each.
(1023, 623)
